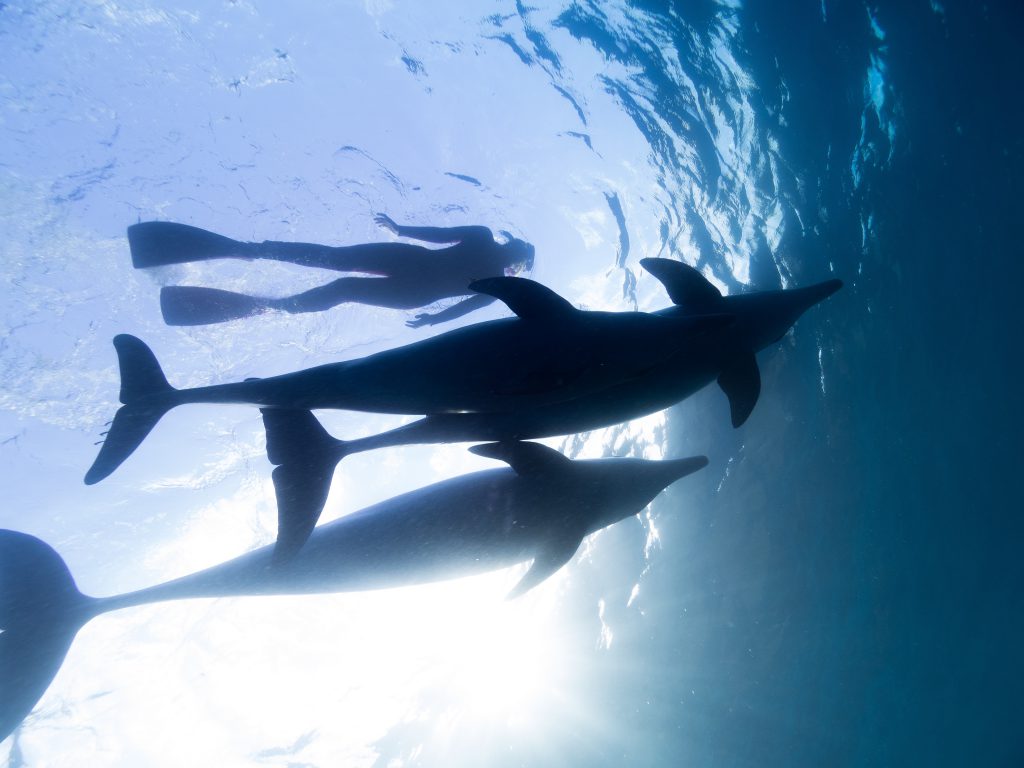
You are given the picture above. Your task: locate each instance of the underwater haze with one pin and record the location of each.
(840, 586)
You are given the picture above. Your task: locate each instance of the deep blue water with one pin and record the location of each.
(840, 587)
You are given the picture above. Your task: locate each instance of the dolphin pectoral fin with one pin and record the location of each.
(528, 299)
(741, 383)
(306, 457)
(553, 556)
(686, 286)
(527, 459)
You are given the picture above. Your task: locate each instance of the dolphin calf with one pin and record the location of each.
(549, 353)
(539, 508)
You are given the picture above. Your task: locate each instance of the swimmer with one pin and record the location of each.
(397, 275)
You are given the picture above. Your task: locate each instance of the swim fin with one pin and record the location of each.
(195, 305)
(158, 243)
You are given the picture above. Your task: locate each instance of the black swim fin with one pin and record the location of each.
(41, 610)
(306, 457)
(158, 243)
(195, 305)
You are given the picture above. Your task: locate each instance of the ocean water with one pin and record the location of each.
(842, 584)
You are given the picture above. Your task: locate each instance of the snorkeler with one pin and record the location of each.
(401, 275)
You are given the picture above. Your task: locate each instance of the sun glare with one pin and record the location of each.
(486, 658)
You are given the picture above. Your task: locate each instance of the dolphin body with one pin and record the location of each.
(540, 509)
(550, 353)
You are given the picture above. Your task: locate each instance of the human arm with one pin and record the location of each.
(455, 310)
(436, 234)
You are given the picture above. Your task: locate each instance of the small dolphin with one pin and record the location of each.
(551, 352)
(539, 510)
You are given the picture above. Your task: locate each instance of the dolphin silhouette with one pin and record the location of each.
(540, 509)
(726, 353)
(551, 352)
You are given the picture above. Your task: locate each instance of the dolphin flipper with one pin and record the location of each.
(195, 305)
(158, 243)
(741, 382)
(306, 456)
(146, 396)
(553, 556)
(686, 286)
(41, 610)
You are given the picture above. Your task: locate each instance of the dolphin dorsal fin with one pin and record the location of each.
(528, 299)
(525, 458)
(686, 286)
(555, 553)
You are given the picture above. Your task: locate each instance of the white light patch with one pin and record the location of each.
(321, 678)
(499, 657)
(218, 531)
(591, 226)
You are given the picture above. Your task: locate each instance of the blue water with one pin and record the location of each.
(841, 586)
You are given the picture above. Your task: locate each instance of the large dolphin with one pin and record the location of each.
(549, 353)
(726, 353)
(540, 509)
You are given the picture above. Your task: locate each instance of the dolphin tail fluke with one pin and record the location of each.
(158, 243)
(146, 397)
(306, 456)
(195, 305)
(41, 610)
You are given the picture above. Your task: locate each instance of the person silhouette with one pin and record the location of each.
(397, 275)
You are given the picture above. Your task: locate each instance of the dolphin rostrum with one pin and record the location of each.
(540, 509)
(551, 352)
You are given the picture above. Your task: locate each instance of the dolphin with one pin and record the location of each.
(539, 508)
(726, 354)
(549, 353)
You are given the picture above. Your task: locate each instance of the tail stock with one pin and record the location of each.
(145, 394)
(305, 455)
(41, 610)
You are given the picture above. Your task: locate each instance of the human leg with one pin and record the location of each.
(388, 259)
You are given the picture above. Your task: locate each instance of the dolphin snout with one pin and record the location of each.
(675, 469)
(812, 294)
